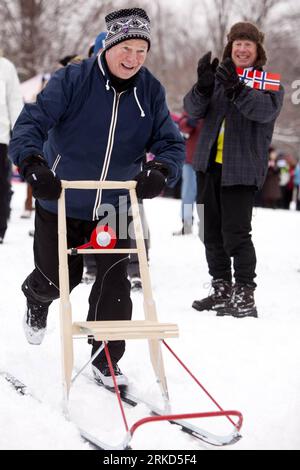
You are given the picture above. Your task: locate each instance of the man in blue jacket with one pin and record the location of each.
(94, 120)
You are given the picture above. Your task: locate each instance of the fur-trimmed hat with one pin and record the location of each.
(129, 23)
(246, 30)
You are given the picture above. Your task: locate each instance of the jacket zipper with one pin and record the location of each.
(109, 148)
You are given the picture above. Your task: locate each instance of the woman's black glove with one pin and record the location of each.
(226, 74)
(45, 185)
(152, 180)
(206, 74)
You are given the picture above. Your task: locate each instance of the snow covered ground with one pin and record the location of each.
(252, 365)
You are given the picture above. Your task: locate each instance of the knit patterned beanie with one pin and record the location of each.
(129, 23)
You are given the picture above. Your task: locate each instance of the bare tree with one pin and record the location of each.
(256, 11)
(283, 49)
(219, 14)
(36, 33)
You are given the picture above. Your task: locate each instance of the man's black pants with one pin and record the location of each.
(5, 189)
(227, 227)
(110, 295)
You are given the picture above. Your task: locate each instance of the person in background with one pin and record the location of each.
(297, 185)
(89, 261)
(287, 164)
(176, 190)
(99, 44)
(190, 129)
(133, 269)
(231, 162)
(270, 192)
(11, 103)
(69, 59)
(28, 205)
(94, 121)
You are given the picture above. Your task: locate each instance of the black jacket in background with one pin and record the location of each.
(249, 125)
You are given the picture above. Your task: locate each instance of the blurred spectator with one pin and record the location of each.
(190, 129)
(70, 59)
(174, 192)
(287, 164)
(99, 42)
(11, 104)
(91, 50)
(297, 185)
(271, 193)
(28, 206)
(133, 268)
(89, 261)
(98, 45)
(66, 60)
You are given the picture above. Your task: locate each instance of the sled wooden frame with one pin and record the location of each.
(149, 328)
(105, 331)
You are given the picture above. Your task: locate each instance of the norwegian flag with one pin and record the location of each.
(259, 80)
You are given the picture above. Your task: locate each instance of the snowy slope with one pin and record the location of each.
(246, 364)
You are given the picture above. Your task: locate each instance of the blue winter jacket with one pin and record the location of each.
(87, 131)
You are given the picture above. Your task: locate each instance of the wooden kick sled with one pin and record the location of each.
(150, 328)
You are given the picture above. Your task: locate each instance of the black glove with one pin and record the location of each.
(45, 185)
(152, 180)
(226, 74)
(206, 74)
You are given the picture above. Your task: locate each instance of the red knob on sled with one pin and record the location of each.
(103, 236)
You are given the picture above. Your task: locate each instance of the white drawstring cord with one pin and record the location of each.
(138, 103)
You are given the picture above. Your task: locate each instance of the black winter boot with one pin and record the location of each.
(219, 299)
(242, 302)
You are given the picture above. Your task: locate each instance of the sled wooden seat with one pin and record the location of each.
(131, 329)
